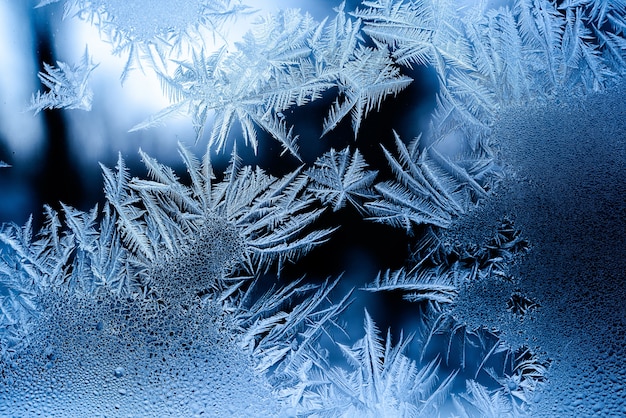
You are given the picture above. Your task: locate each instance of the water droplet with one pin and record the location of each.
(119, 372)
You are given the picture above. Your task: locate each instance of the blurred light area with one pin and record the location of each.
(103, 132)
(21, 133)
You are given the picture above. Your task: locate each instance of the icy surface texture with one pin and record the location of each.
(112, 356)
(133, 312)
(167, 301)
(569, 200)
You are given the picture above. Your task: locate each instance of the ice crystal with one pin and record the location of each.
(166, 301)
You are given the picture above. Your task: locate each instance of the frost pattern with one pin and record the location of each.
(486, 58)
(340, 177)
(286, 60)
(171, 272)
(380, 381)
(149, 36)
(429, 188)
(160, 276)
(67, 86)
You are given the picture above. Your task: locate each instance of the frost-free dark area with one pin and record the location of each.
(381, 208)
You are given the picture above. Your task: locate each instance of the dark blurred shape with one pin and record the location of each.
(58, 179)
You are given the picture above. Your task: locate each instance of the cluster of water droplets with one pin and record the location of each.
(171, 353)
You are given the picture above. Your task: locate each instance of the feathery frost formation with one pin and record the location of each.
(67, 86)
(161, 303)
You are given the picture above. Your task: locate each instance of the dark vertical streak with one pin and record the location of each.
(57, 180)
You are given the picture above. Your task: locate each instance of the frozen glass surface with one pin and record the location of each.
(389, 208)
